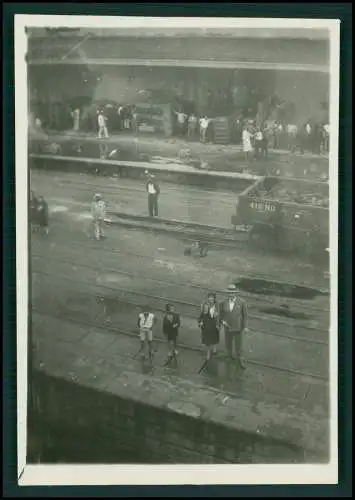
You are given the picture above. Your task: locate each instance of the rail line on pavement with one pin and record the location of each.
(159, 305)
(85, 186)
(217, 267)
(131, 333)
(172, 283)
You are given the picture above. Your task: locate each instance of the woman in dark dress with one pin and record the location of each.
(209, 324)
(171, 325)
(33, 210)
(42, 214)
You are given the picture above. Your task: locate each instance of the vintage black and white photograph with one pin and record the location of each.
(177, 231)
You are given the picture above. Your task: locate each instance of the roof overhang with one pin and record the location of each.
(183, 64)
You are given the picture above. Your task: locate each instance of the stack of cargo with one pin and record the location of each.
(305, 193)
(221, 130)
(155, 118)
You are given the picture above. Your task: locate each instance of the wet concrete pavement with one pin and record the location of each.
(86, 296)
(184, 203)
(131, 268)
(70, 195)
(216, 157)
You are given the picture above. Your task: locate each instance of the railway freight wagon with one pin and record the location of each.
(288, 215)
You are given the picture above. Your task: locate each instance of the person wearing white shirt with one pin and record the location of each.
(180, 121)
(204, 123)
(38, 123)
(146, 323)
(258, 143)
(247, 145)
(153, 195)
(76, 119)
(191, 126)
(102, 124)
(98, 209)
(292, 133)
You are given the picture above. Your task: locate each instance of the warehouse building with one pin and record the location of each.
(282, 74)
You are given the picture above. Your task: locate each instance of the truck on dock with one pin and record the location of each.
(285, 214)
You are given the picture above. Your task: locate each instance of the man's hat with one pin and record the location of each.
(97, 196)
(232, 288)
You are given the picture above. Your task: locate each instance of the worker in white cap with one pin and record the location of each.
(234, 317)
(98, 209)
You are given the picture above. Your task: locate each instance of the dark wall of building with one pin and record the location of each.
(73, 424)
(212, 92)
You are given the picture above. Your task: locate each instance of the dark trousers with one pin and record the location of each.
(264, 149)
(153, 205)
(258, 148)
(236, 338)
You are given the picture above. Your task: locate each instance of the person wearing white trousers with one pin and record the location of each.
(101, 121)
(98, 210)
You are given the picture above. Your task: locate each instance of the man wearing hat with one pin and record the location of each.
(234, 316)
(153, 194)
(98, 209)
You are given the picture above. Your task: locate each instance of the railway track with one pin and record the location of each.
(116, 252)
(186, 307)
(129, 185)
(254, 300)
(221, 237)
(183, 347)
(94, 300)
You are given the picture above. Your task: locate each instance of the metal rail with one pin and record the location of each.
(124, 272)
(132, 334)
(124, 300)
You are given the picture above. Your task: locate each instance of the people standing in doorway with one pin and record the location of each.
(204, 123)
(146, 322)
(180, 122)
(191, 126)
(292, 133)
(171, 325)
(134, 122)
(308, 136)
(76, 119)
(127, 116)
(38, 123)
(247, 144)
(234, 317)
(102, 124)
(98, 209)
(208, 322)
(258, 144)
(265, 143)
(153, 195)
(120, 117)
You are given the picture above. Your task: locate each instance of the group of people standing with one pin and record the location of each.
(256, 140)
(99, 206)
(228, 317)
(188, 125)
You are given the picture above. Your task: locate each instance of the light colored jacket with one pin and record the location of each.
(146, 322)
(98, 210)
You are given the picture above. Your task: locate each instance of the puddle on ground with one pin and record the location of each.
(58, 209)
(285, 312)
(265, 287)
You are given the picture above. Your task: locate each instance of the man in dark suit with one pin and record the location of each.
(234, 316)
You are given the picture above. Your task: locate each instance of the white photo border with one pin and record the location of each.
(95, 475)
